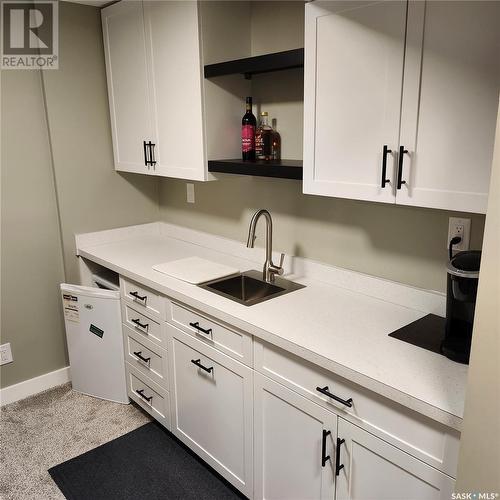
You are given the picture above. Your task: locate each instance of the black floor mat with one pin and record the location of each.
(147, 463)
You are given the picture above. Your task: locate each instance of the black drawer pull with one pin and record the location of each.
(139, 355)
(200, 329)
(324, 456)
(143, 396)
(137, 296)
(137, 322)
(152, 153)
(338, 466)
(384, 165)
(199, 365)
(326, 392)
(402, 152)
(146, 160)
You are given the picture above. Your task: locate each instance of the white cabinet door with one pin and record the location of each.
(354, 54)
(288, 437)
(212, 399)
(448, 121)
(173, 45)
(128, 91)
(373, 469)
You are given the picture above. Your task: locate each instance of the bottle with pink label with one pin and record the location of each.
(248, 124)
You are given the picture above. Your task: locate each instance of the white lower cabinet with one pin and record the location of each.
(304, 452)
(264, 428)
(293, 438)
(213, 408)
(374, 469)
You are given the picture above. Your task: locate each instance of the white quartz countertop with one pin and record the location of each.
(339, 329)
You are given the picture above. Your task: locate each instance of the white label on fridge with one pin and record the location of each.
(71, 308)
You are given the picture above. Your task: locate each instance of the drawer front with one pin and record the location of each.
(146, 356)
(147, 327)
(236, 344)
(416, 434)
(143, 298)
(212, 397)
(148, 395)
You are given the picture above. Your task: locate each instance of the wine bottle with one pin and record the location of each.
(275, 143)
(248, 124)
(263, 138)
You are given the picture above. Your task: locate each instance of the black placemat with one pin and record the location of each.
(427, 333)
(147, 463)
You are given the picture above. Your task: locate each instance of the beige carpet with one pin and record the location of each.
(52, 427)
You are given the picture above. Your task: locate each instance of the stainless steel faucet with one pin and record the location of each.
(270, 270)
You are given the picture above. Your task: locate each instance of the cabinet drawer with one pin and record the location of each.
(143, 298)
(212, 394)
(416, 434)
(146, 326)
(146, 356)
(148, 395)
(231, 342)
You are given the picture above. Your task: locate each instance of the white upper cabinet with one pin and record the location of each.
(176, 87)
(130, 107)
(448, 121)
(354, 54)
(154, 70)
(420, 78)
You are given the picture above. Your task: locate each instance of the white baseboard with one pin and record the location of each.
(32, 386)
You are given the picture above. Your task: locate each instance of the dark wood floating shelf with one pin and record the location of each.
(284, 169)
(258, 64)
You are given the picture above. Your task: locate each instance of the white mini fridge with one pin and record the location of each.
(95, 342)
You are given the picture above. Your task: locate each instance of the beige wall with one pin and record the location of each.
(403, 244)
(479, 465)
(32, 265)
(91, 194)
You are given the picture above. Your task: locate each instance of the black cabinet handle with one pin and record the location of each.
(137, 296)
(146, 159)
(152, 160)
(338, 465)
(139, 355)
(200, 329)
(199, 365)
(402, 152)
(137, 322)
(143, 396)
(326, 392)
(385, 152)
(324, 456)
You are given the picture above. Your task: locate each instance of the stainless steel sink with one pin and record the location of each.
(249, 288)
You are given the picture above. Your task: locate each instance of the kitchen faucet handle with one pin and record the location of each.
(282, 258)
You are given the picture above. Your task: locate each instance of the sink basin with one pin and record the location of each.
(249, 288)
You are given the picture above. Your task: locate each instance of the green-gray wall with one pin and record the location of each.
(56, 141)
(403, 244)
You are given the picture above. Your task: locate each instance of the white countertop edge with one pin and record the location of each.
(391, 393)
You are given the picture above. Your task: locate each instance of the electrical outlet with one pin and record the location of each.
(190, 192)
(5, 354)
(459, 227)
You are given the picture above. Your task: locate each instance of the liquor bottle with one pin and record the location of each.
(275, 143)
(263, 138)
(248, 124)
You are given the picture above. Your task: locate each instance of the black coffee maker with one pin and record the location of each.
(463, 277)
